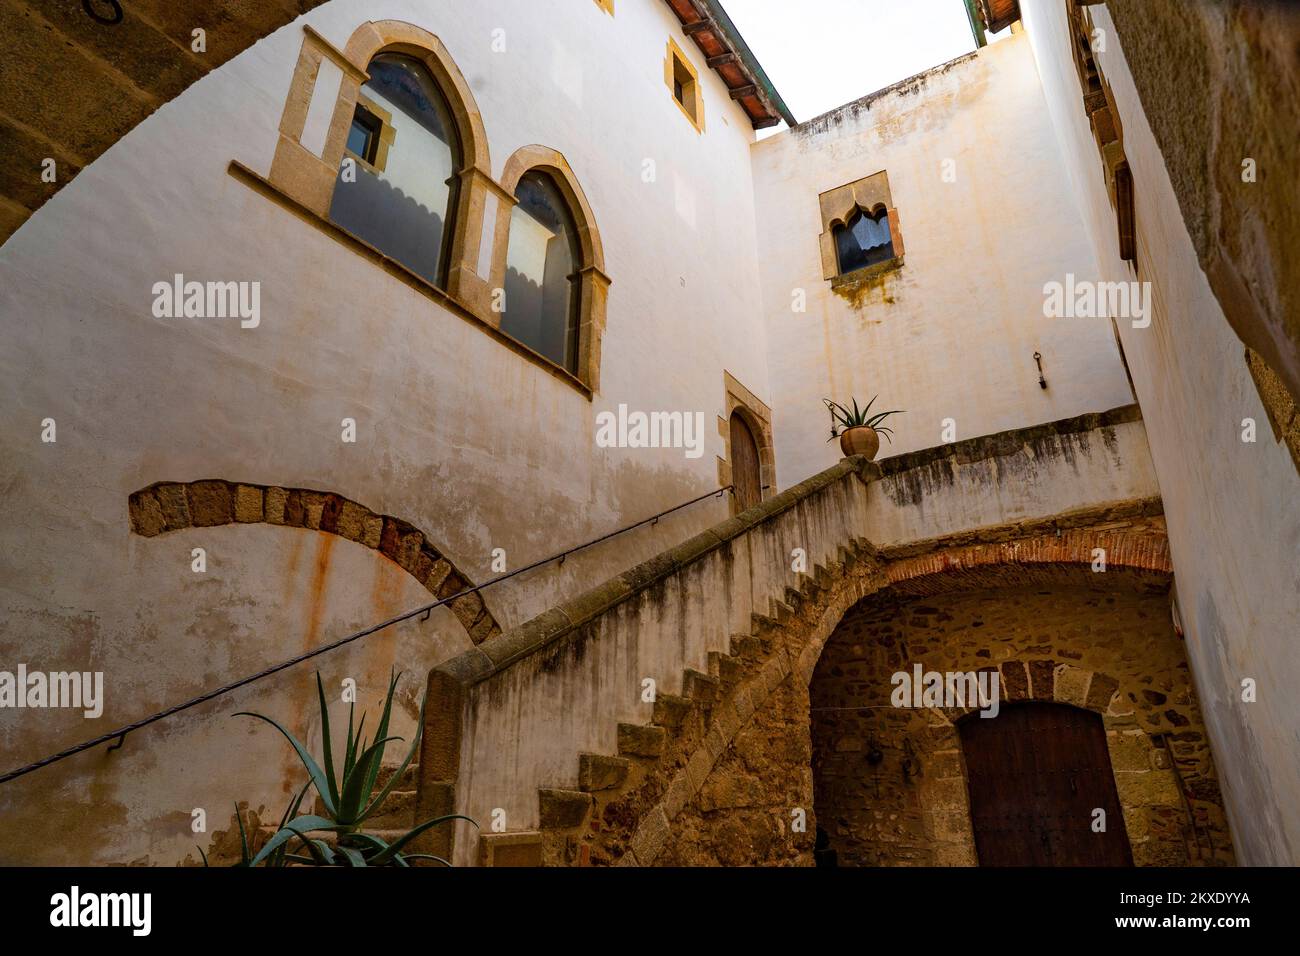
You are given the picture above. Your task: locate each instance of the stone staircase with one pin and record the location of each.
(601, 820)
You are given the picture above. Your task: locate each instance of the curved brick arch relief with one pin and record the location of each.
(168, 506)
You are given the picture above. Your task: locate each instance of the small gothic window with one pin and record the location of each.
(542, 262)
(399, 192)
(864, 240)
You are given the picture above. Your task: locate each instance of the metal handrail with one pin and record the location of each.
(120, 733)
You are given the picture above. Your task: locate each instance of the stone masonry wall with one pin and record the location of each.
(891, 782)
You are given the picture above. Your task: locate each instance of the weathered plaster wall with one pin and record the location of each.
(953, 333)
(1233, 508)
(1110, 648)
(455, 434)
(1084, 462)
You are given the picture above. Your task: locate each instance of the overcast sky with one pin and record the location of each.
(821, 54)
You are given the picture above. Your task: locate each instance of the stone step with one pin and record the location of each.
(671, 710)
(726, 669)
(637, 740)
(410, 777)
(700, 687)
(562, 809)
(601, 772)
(750, 647)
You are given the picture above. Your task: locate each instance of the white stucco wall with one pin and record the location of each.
(1233, 508)
(954, 333)
(456, 434)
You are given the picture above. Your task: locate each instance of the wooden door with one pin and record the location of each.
(745, 472)
(1036, 773)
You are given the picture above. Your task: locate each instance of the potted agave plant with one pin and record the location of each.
(857, 429)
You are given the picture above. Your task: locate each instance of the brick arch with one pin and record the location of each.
(1137, 556)
(168, 506)
(1141, 553)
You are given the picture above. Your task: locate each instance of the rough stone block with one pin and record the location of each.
(351, 521)
(146, 514)
(562, 809)
(211, 503)
(175, 506)
(640, 741)
(1101, 691)
(248, 504)
(730, 792)
(651, 836)
(295, 515)
(276, 498)
(601, 772)
(671, 710)
(1042, 679)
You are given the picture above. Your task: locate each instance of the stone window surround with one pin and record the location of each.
(305, 182)
(837, 207)
(676, 54)
(1107, 129)
(758, 416)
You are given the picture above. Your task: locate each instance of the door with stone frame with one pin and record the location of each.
(1037, 774)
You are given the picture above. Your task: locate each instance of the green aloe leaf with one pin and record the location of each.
(352, 802)
(317, 775)
(395, 779)
(381, 732)
(299, 826)
(327, 746)
(395, 847)
(353, 856)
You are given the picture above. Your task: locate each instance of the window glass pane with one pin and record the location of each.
(863, 241)
(541, 307)
(402, 205)
(359, 139)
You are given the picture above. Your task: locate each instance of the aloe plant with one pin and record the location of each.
(347, 799)
(843, 418)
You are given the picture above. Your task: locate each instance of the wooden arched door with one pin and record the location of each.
(1037, 774)
(746, 474)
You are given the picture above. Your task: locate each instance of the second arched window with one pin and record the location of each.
(543, 259)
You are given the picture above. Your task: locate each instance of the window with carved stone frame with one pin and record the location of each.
(860, 218)
(314, 131)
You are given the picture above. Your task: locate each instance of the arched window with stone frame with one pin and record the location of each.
(549, 264)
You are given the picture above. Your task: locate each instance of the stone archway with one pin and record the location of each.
(168, 506)
(890, 782)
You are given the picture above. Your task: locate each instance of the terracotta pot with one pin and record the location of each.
(860, 440)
